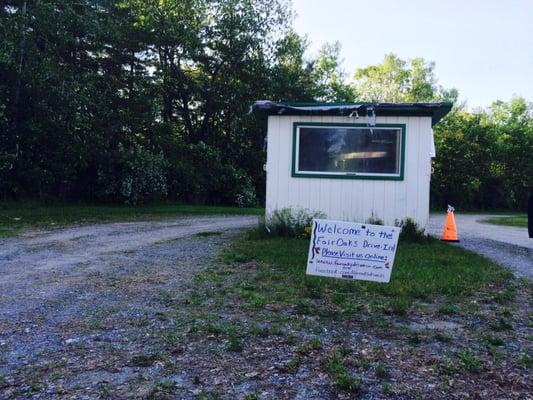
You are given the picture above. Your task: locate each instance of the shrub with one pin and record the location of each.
(199, 173)
(411, 232)
(374, 220)
(245, 193)
(136, 176)
(291, 222)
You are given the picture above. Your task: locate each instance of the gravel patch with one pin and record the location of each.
(80, 299)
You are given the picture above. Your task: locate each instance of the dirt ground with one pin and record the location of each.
(74, 301)
(148, 310)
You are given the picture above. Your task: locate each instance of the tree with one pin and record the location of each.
(484, 157)
(290, 75)
(397, 80)
(464, 163)
(514, 121)
(328, 77)
(95, 89)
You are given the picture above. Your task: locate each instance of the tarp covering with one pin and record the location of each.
(434, 110)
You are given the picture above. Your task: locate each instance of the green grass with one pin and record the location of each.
(514, 220)
(421, 271)
(17, 217)
(342, 378)
(469, 361)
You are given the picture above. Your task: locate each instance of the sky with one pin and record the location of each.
(483, 48)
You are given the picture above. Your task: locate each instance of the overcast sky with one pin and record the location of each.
(484, 48)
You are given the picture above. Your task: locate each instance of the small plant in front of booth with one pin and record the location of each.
(412, 232)
(291, 222)
(374, 220)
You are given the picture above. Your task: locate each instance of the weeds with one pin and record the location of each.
(291, 222)
(381, 370)
(104, 392)
(259, 331)
(398, 306)
(414, 339)
(341, 376)
(363, 363)
(501, 324)
(276, 330)
(292, 366)
(492, 340)
(215, 330)
(525, 359)
(374, 220)
(447, 367)
(506, 295)
(315, 343)
(54, 377)
(387, 389)
(469, 361)
(411, 232)
(448, 309)
(234, 341)
(144, 360)
(209, 233)
(442, 337)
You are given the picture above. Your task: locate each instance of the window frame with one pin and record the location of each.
(346, 175)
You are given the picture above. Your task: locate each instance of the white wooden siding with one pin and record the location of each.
(351, 199)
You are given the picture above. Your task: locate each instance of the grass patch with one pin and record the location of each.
(491, 340)
(207, 234)
(340, 374)
(514, 220)
(525, 359)
(442, 337)
(448, 309)
(469, 362)
(235, 342)
(501, 324)
(398, 305)
(17, 217)
(144, 360)
(421, 271)
(506, 295)
(381, 370)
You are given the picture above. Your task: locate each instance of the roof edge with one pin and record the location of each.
(436, 111)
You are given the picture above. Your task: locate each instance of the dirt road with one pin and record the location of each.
(58, 288)
(508, 246)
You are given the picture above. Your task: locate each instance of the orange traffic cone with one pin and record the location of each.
(450, 230)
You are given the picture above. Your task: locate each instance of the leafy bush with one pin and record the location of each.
(245, 193)
(199, 173)
(291, 222)
(411, 232)
(374, 220)
(136, 177)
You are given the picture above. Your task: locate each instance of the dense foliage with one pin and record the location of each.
(485, 159)
(94, 92)
(137, 100)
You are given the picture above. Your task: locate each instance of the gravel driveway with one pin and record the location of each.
(509, 246)
(58, 287)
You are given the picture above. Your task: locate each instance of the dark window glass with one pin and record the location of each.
(349, 150)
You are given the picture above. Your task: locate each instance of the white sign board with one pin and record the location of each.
(349, 250)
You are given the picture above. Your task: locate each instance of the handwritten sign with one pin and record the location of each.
(349, 250)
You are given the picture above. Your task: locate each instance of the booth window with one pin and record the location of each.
(348, 151)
